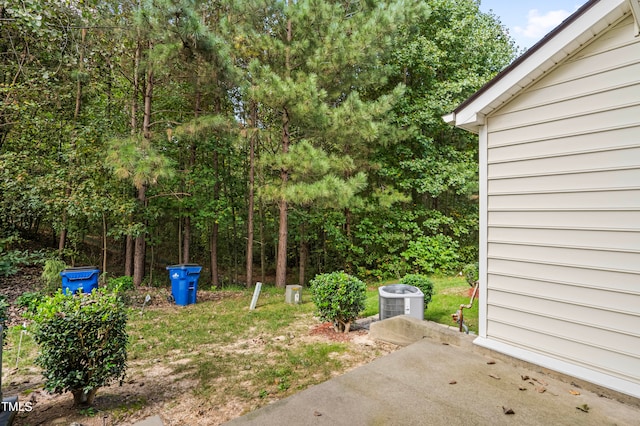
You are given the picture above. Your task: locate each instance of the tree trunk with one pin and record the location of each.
(186, 236)
(186, 239)
(129, 245)
(263, 249)
(347, 227)
(281, 262)
(140, 245)
(304, 250)
(139, 259)
(128, 256)
(253, 123)
(82, 398)
(104, 243)
(215, 282)
(76, 114)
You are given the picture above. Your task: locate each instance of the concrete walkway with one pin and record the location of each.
(440, 379)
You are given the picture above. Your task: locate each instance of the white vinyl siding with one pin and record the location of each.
(563, 211)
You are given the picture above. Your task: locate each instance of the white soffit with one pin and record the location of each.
(595, 17)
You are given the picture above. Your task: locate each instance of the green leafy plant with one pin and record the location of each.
(123, 283)
(4, 307)
(30, 300)
(10, 259)
(50, 277)
(423, 282)
(339, 297)
(471, 273)
(433, 254)
(83, 342)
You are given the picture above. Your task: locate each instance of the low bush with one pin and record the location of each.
(429, 255)
(471, 273)
(30, 300)
(11, 259)
(123, 283)
(83, 342)
(51, 279)
(423, 282)
(4, 307)
(339, 297)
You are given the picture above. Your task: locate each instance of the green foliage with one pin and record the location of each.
(50, 277)
(371, 171)
(339, 297)
(83, 342)
(11, 259)
(4, 307)
(471, 272)
(124, 283)
(30, 300)
(423, 282)
(433, 254)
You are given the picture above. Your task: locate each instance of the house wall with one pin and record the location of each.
(562, 202)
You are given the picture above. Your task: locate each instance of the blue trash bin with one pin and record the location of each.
(184, 282)
(83, 278)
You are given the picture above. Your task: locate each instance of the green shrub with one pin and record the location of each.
(9, 259)
(4, 308)
(30, 300)
(123, 283)
(423, 282)
(339, 297)
(12, 259)
(51, 279)
(437, 254)
(83, 342)
(471, 273)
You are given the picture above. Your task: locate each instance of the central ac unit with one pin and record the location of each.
(400, 299)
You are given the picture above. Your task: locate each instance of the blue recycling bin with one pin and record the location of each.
(184, 282)
(83, 278)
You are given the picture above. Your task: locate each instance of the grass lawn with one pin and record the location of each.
(210, 362)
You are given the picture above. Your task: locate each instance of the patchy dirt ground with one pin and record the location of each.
(158, 387)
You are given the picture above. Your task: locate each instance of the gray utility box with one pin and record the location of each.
(293, 294)
(400, 299)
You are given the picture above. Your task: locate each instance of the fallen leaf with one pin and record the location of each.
(494, 376)
(583, 407)
(317, 413)
(507, 410)
(525, 377)
(522, 388)
(445, 343)
(574, 392)
(541, 389)
(542, 382)
(491, 362)
(453, 382)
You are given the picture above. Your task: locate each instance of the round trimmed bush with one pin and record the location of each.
(83, 342)
(339, 298)
(423, 283)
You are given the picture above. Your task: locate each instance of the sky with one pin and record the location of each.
(530, 20)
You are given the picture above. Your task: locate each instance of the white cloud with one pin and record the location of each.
(539, 25)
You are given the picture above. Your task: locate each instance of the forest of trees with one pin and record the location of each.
(267, 140)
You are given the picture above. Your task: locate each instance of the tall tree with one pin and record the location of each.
(316, 56)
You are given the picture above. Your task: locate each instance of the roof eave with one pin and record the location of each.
(576, 31)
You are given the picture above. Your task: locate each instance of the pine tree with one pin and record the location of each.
(312, 60)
